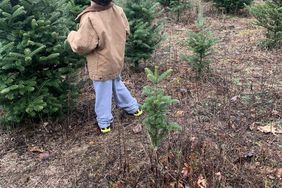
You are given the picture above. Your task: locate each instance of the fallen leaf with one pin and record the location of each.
(269, 170)
(137, 128)
(279, 173)
(254, 125)
(269, 129)
(44, 156)
(193, 139)
(186, 170)
(218, 175)
(175, 185)
(275, 113)
(35, 149)
(118, 184)
(202, 182)
(234, 99)
(92, 143)
(180, 113)
(165, 158)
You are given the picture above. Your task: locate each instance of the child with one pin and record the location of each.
(101, 38)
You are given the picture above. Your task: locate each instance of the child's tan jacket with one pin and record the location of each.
(101, 37)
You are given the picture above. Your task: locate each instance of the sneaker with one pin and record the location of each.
(138, 113)
(106, 130)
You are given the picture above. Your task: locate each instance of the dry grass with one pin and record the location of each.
(219, 116)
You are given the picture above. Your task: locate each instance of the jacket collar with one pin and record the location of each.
(94, 8)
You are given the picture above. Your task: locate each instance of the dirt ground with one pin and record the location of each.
(221, 145)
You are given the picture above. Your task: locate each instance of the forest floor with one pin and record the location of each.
(231, 121)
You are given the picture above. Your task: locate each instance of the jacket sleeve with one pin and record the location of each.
(126, 24)
(85, 40)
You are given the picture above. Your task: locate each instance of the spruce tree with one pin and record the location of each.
(145, 35)
(269, 16)
(165, 2)
(35, 65)
(176, 6)
(156, 106)
(179, 6)
(76, 6)
(200, 42)
(232, 6)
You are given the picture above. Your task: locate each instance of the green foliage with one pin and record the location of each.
(176, 6)
(35, 65)
(156, 106)
(200, 42)
(269, 16)
(165, 2)
(145, 36)
(76, 6)
(179, 6)
(232, 6)
(82, 3)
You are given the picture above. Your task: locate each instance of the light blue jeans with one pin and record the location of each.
(104, 91)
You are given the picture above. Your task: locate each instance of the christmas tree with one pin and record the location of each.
(157, 106)
(76, 6)
(232, 6)
(269, 16)
(35, 65)
(165, 2)
(145, 36)
(179, 6)
(200, 42)
(176, 6)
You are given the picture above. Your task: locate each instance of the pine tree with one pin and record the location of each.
(156, 106)
(35, 65)
(269, 16)
(232, 6)
(165, 2)
(145, 35)
(200, 42)
(179, 6)
(176, 6)
(76, 6)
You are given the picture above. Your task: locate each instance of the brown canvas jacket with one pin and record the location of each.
(101, 38)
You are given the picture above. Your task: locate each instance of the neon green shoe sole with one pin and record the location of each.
(138, 113)
(105, 130)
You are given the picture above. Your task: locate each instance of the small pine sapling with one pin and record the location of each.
(232, 6)
(269, 16)
(200, 42)
(179, 6)
(156, 106)
(176, 6)
(165, 2)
